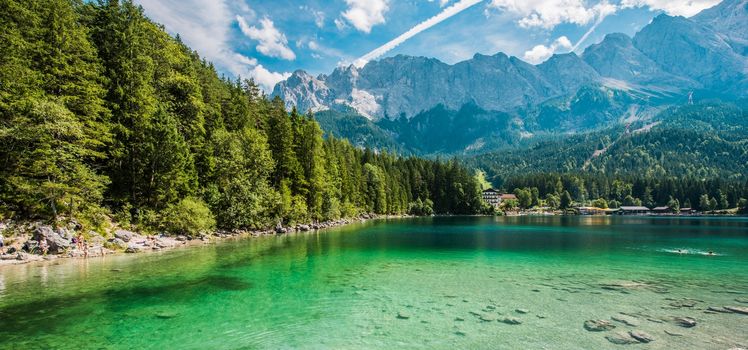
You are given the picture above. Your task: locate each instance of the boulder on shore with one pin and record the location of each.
(133, 248)
(123, 235)
(117, 243)
(55, 242)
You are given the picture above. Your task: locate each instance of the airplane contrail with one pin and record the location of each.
(604, 12)
(445, 14)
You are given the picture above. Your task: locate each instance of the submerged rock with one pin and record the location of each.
(640, 336)
(511, 320)
(403, 315)
(166, 315)
(625, 320)
(684, 303)
(674, 334)
(522, 311)
(621, 338)
(487, 318)
(598, 325)
(737, 309)
(718, 309)
(686, 322)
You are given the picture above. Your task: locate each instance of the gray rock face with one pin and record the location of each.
(616, 57)
(689, 49)
(55, 242)
(729, 19)
(408, 85)
(123, 235)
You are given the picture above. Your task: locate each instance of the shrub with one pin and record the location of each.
(190, 216)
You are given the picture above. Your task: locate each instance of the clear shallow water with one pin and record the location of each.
(343, 288)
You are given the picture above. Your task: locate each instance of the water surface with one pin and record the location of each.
(455, 279)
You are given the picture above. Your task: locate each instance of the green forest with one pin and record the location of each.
(693, 156)
(105, 117)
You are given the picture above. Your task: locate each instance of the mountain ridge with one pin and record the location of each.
(671, 55)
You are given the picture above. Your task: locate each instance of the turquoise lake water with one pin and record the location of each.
(452, 281)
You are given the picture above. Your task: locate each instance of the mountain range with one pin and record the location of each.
(425, 106)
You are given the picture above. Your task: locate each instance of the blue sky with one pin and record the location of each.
(268, 39)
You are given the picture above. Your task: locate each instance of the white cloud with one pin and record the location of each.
(686, 8)
(365, 14)
(340, 24)
(319, 16)
(272, 42)
(445, 14)
(205, 26)
(546, 13)
(267, 78)
(442, 3)
(541, 53)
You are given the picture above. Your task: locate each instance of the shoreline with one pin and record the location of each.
(139, 244)
(142, 244)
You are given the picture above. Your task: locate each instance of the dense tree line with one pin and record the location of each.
(103, 114)
(563, 190)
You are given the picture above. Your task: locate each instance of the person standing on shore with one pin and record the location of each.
(79, 242)
(2, 244)
(44, 247)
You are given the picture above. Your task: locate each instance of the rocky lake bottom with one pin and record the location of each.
(430, 283)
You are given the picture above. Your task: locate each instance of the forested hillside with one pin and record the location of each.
(104, 115)
(681, 154)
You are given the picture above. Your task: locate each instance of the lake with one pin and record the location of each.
(429, 283)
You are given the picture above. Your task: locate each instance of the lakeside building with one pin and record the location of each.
(595, 211)
(491, 197)
(633, 210)
(663, 210)
(494, 197)
(687, 211)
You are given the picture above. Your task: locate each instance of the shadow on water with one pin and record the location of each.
(59, 312)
